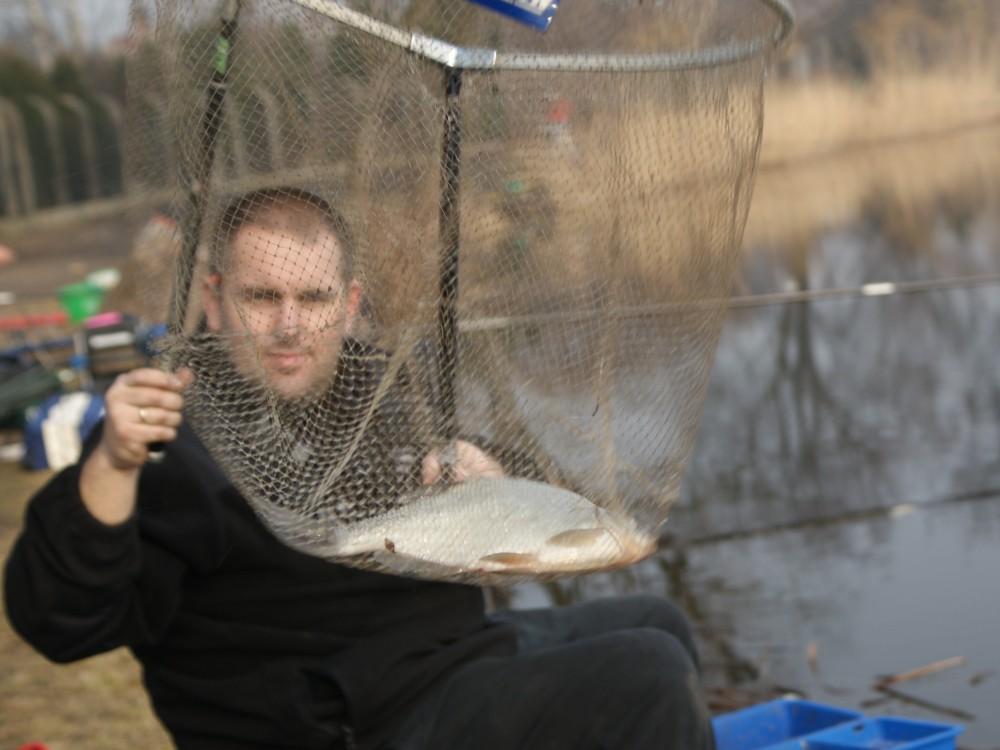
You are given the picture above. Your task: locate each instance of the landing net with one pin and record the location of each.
(450, 287)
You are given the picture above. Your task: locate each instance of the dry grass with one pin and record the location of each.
(97, 704)
(832, 150)
(825, 116)
(793, 203)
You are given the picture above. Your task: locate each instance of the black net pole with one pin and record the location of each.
(198, 178)
(447, 343)
(197, 181)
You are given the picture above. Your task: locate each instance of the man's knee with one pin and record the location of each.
(652, 675)
(644, 660)
(662, 614)
(656, 612)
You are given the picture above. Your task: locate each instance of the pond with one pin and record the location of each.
(840, 518)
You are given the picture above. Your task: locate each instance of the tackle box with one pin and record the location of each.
(794, 724)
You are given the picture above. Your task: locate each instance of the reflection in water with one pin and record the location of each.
(850, 403)
(830, 408)
(928, 196)
(876, 598)
(826, 407)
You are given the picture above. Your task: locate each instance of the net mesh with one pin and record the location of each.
(451, 322)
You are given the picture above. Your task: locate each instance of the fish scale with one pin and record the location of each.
(496, 525)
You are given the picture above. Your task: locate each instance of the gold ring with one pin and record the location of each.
(142, 416)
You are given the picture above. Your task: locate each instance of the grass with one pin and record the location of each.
(823, 116)
(898, 180)
(832, 149)
(96, 704)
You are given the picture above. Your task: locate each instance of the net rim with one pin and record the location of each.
(475, 58)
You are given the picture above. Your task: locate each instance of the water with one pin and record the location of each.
(876, 598)
(844, 495)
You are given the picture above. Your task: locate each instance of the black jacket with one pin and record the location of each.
(244, 642)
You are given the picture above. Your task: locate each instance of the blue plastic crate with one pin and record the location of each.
(55, 430)
(886, 733)
(792, 724)
(778, 725)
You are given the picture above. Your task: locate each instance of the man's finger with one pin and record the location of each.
(430, 468)
(146, 434)
(153, 416)
(475, 463)
(152, 378)
(470, 463)
(158, 397)
(185, 376)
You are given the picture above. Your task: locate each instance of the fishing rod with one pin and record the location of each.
(897, 510)
(874, 289)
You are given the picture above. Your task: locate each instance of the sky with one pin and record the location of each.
(102, 20)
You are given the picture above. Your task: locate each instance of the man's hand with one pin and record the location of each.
(469, 462)
(141, 407)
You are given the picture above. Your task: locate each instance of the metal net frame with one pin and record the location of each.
(427, 363)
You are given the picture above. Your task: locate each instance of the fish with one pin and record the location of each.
(495, 526)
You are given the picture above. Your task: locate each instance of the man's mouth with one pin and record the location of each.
(287, 360)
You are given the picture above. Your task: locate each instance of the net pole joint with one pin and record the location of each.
(452, 56)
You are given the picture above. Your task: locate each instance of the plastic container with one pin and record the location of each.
(778, 725)
(105, 278)
(54, 432)
(81, 300)
(886, 734)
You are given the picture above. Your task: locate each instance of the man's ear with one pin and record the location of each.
(353, 305)
(212, 301)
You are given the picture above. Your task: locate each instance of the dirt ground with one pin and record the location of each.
(97, 704)
(50, 256)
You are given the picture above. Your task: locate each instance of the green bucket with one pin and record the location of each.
(81, 300)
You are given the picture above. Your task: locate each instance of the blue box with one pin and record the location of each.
(536, 13)
(886, 734)
(778, 725)
(55, 430)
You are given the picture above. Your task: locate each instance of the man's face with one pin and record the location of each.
(284, 307)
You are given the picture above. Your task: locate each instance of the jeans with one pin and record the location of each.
(612, 674)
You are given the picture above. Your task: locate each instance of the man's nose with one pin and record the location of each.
(290, 317)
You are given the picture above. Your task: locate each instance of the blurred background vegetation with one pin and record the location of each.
(854, 72)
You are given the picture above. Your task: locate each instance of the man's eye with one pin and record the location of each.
(319, 297)
(259, 295)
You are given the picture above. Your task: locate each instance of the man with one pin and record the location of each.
(247, 643)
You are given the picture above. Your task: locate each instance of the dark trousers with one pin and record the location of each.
(613, 674)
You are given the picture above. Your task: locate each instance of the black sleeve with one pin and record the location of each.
(75, 586)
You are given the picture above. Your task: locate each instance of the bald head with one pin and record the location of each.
(288, 212)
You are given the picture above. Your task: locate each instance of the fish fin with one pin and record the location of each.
(577, 537)
(511, 559)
